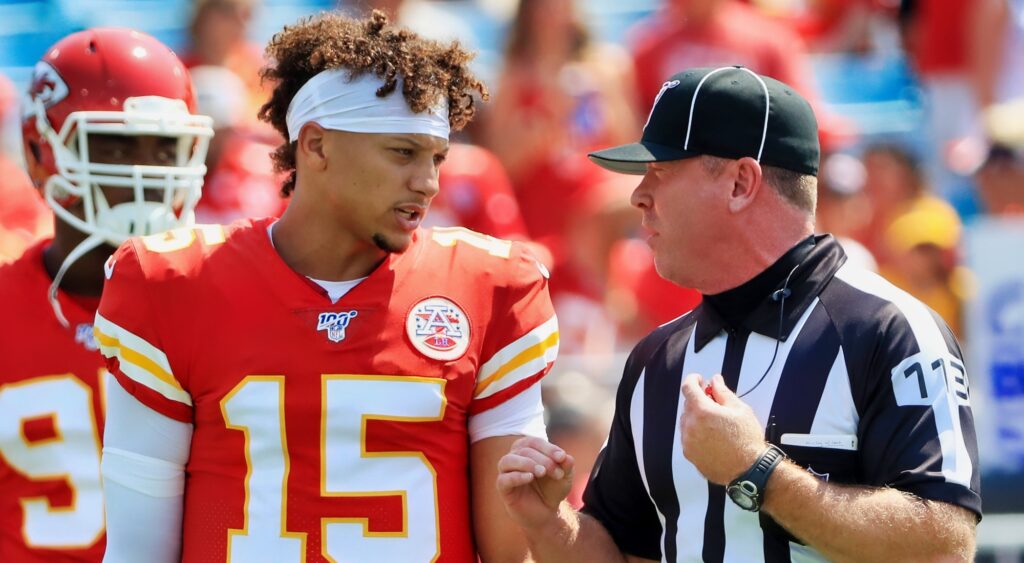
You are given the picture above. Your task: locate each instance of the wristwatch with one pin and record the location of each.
(747, 490)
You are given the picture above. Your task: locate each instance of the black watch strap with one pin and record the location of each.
(747, 490)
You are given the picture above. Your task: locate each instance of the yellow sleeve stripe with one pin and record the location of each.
(538, 350)
(513, 349)
(140, 361)
(129, 355)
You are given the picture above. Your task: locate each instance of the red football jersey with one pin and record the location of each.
(51, 505)
(325, 431)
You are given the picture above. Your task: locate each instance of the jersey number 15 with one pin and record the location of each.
(346, 468)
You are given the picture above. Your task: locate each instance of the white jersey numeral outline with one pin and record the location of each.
(347, 469)
(71, 454)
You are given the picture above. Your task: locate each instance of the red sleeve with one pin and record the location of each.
(127, 331)
(522, 339)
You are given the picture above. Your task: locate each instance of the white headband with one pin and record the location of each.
(336, 102)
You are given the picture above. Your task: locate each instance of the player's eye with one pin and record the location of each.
(166, 156)
(117, 153)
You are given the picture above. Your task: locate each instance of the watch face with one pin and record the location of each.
(741, 498)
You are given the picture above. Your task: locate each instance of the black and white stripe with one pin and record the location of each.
(862, 359)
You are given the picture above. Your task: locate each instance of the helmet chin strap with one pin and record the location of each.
(82, 249)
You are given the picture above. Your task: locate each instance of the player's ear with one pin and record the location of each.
(310, 147)
(33, 163)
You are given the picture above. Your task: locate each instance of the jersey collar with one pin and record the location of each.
(750, 306)
(78, 309)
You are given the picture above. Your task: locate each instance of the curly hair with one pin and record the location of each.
(427, 70)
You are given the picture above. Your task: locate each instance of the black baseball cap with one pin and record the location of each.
(729, 112)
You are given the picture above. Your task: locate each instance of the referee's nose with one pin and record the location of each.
(641, 196)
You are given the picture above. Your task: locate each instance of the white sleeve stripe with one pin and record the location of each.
(139, 360)
(956, 461)
(130, 340)
(636, 423)
(523, 372)
(508, 353)
(837, 412)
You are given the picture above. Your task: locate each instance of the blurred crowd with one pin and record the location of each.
(521, 172)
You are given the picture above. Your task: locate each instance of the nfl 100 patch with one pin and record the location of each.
(335, 323)
(438, 329)
(84, 335)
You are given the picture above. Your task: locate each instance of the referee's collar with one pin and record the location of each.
(814, 269)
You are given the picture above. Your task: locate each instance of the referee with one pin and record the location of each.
(837, 423)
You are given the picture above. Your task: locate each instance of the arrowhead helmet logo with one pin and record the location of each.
(47, 85)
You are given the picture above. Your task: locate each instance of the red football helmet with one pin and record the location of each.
(114, 82)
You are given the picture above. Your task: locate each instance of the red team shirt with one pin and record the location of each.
(51, 505)
(325, 431)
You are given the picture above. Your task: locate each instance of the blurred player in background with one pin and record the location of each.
(23, 215)
(240, 179)
(1000, 175)
(339, 383)
(219, 31)
(476, 193)
(111, 140)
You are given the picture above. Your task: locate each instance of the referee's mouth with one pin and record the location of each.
(648, 231)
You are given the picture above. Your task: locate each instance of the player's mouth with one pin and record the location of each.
(410, 216)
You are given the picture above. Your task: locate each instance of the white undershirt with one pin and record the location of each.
(335, 289)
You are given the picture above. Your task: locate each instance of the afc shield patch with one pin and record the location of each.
(438, 329)
(335, 324)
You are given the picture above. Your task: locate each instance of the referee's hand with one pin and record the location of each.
(721, 435)
(533, 479)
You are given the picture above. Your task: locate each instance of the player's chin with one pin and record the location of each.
(393, 243)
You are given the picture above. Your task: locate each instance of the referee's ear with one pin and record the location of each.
(746, 185)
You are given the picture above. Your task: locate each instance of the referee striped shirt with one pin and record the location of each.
(867, 387)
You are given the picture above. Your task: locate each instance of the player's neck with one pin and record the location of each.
(85, 276)
(322, 253)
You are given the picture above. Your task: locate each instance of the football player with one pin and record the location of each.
(340, 383)
(111, 141)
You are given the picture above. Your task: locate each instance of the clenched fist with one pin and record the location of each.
(533, 479)
(721, 435)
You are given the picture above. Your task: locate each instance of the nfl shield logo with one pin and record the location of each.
(335, 324)
(822, 476)
(438, 329)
